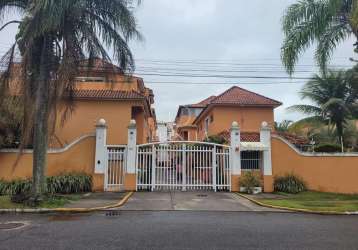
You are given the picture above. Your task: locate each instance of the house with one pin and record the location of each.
(215, 114)
(104, 91)
(163, 132)
(184, 127)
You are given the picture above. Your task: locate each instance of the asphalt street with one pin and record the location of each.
(180, 230)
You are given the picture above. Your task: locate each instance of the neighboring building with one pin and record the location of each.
(103, 91)
(216, 114)
(184, 127)
(162, 132)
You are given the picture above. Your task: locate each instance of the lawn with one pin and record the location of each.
(316, 201)
(49, 202)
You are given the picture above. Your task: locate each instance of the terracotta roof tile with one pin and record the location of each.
(204, 102)
(106, 94)
(294, 139)
(240, 96)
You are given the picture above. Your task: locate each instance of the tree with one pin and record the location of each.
(325, 22)
(334, 97)
(283, 126)
(52, 38)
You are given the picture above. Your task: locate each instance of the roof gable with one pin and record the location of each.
(239, 96)
(204, 102)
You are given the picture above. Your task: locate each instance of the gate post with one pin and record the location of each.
(235, 159)
(100, 164)
(265, 138)
(130, 180)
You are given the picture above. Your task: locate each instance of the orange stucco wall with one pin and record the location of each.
(249, 118)
(322, 173)
(113, 81)
(78, 158)
(87, 113)
(192, 133)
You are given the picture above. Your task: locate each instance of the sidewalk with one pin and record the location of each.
(93, 200)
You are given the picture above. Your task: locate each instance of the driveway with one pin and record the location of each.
(190, 201)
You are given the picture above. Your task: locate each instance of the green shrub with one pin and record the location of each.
(216, 139)
(249, 180)
(62, 184)
(289, 184)
(328, 148)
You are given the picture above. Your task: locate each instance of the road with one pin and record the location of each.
(181, 230)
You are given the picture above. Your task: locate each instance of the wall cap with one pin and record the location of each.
(51, 150)
(308, 154)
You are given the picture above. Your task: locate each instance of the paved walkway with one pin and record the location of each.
(190, 201)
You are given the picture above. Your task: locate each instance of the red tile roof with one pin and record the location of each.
(294, 139)
(240, 96)
(244, 136)
(106, 94)
(204, 102)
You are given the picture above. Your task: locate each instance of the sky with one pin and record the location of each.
(228, 39)
(221, 37)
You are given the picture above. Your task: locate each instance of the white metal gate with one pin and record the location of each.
(115, 168)
(183, 166)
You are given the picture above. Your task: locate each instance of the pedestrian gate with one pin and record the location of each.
(183, 166)
(115, 168)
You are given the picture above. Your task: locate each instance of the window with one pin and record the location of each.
(211, 118)
(185, 135)
(251, 160)
(185, 111)
(207, 121)
(90, 79)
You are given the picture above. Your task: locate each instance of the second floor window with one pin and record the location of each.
(207, 121)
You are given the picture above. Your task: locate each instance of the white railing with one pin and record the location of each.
(115, 168)
(183, 166)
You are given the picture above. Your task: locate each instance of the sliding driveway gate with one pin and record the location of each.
(183, 166)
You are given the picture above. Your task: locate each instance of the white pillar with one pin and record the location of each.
(131, 147)
(235, 149)
(265, 138)
(101, 150)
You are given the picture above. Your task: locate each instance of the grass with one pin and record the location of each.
(55, 201)
(315, 201)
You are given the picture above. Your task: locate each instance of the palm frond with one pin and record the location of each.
(305, 109)
(306, 22)
(334, 34)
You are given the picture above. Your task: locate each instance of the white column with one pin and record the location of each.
(235, 149)
(265, 138)
(131, 147)
(101, 149)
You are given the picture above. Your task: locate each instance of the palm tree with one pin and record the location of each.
(334, 97)
(283, 126)
(52, 37)
(325, 22)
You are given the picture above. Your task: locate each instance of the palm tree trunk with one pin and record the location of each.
(340, 132)
(40, 136)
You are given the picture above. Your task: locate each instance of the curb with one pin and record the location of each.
(298, 210)
(67, 210)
